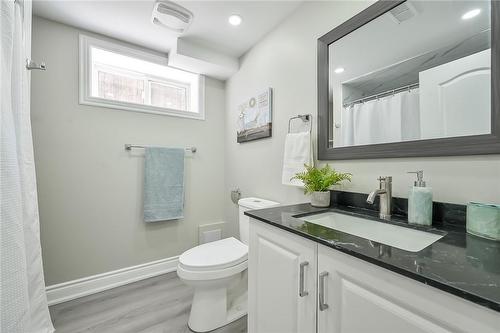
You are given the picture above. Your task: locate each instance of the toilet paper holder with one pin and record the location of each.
(235, 195)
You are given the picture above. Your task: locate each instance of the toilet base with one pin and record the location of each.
(214, 307)
(232, 315)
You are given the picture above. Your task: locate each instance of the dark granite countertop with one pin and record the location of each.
(461, 264)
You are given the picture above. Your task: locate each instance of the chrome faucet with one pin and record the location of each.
(385, 193)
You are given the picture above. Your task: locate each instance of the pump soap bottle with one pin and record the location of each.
(420, 201)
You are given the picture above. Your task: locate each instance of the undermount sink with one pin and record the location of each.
(396, 236)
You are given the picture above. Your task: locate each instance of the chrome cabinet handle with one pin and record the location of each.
(302, 292)
(322, 277)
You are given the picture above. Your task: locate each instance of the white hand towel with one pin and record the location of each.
(298, 151)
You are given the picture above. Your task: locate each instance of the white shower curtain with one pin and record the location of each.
(393, 118)
(23, 302)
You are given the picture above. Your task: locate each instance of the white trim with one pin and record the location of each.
(86, 98)
(66, 291)
(123, 48)
(106, 103)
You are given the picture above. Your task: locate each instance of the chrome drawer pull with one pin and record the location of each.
(322, 277)
(302, 292)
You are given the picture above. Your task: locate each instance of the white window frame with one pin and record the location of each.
(85, 84)
(172, 83)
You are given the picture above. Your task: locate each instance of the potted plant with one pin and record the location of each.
(318, 182)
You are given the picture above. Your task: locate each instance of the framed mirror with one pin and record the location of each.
(411, 78)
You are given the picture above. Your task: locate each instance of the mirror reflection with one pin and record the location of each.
(420, 71)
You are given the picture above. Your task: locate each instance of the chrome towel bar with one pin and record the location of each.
(304, 118)
(129, 146)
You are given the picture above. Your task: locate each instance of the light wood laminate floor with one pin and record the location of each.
(156, 305)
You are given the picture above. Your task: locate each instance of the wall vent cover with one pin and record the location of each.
(171, 16)
(402, 13)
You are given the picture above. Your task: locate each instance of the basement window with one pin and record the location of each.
(117, 76)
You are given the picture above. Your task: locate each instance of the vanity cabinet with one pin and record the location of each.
(362, 297)
(281, 281)
(344, 294)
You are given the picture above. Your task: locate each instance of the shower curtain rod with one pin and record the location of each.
(383, 94)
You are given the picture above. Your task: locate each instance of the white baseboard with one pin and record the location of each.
(66, 291)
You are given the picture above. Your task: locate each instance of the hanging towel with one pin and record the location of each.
(298, 152)
(163, 184)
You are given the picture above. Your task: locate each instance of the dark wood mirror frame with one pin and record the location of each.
(454, 146)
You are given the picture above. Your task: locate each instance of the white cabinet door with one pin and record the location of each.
(282, 281)
(455, 98)
(361, 297)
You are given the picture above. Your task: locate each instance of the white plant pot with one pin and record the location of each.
(320, 199)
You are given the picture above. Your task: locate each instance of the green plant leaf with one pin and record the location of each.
(321, 180)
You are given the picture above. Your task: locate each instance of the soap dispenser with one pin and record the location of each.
(420, 201)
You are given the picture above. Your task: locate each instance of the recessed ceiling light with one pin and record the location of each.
(339, 70)
(234, 20)
(471, 13)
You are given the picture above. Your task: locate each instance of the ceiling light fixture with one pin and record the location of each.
(471, 13)
(235, 20)
(339, 70)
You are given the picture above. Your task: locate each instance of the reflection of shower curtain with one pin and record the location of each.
(390, 119)
(23, 303)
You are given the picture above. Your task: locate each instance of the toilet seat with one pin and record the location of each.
(222, 256)
(223, 273)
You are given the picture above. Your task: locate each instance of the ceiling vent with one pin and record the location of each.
(403, 12)
(171, 16)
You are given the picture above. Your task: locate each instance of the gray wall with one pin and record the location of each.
(90, 188)
(286, 61)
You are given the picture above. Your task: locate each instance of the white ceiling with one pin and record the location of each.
(437, 24)
(130, 20)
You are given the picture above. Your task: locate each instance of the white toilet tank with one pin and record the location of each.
(250, 204)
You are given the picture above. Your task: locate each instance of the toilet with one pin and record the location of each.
(218, 273)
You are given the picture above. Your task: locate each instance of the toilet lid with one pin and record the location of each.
(215, 255)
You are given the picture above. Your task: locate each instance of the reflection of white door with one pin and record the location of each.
(455, 97)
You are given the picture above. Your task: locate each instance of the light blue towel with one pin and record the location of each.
(163, 184)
